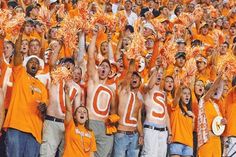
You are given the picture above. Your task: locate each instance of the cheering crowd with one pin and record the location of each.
(118, 78)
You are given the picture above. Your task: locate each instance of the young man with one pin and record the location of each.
(157, 125)
(53, 131)
(99, 100)
(29, 97)
(130, 131)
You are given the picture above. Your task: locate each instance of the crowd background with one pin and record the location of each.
(193, 42)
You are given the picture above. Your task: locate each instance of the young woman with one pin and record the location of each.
(170, 91)
(197, 93)
(182, 123)
(79, 139)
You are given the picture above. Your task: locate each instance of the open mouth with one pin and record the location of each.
(81, 117)
(200, 90)
(33, 68)
(134, 82)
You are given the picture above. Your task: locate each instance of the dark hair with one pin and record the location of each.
(177, 10)
(172, 92)
(189, 105)
(162, 7)
(234, 81)
(226, 44)
(106, 61)
(86, 125)
(137, 74)
(66, 60)
(130, 28)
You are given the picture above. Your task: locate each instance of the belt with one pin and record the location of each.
(51, 118)
(155, 128)
(127, 132)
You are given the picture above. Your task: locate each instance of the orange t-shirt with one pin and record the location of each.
(181, 126)
(230, 114)
(211, 113)
(22, 113)
(79, 142)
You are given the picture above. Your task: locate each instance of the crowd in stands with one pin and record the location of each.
(118, 78)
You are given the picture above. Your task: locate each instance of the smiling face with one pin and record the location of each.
(104, 70)
(32, 66)
(81, 115)
(185, 95)
(199, 88)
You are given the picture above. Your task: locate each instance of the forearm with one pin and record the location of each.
(81, 47)
(110, 52)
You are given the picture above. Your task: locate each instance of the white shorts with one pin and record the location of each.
(155, 143)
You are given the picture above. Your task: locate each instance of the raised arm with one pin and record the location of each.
(110, 50)
(177, 96)
(82, 50)
(124, 83)
(68, 115)
(91, 66)
(151, 82)
(18, 57)
(213, 88)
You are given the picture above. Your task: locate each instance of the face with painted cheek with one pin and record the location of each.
(140, 63)
(104, 70)
(199, 88)
(169, 84)
(185, 96)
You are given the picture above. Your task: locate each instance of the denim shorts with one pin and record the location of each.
(180, 149)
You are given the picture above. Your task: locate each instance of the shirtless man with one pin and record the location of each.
(100, 100)
(130, 131)
(157, 124)
(53, 132)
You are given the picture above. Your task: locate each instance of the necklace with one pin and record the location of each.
(82, 135)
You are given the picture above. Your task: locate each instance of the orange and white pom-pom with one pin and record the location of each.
(228, 64)
(59, 74)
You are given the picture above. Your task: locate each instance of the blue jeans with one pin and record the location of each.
(21, 144)
(126, 145)
(180, 149)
